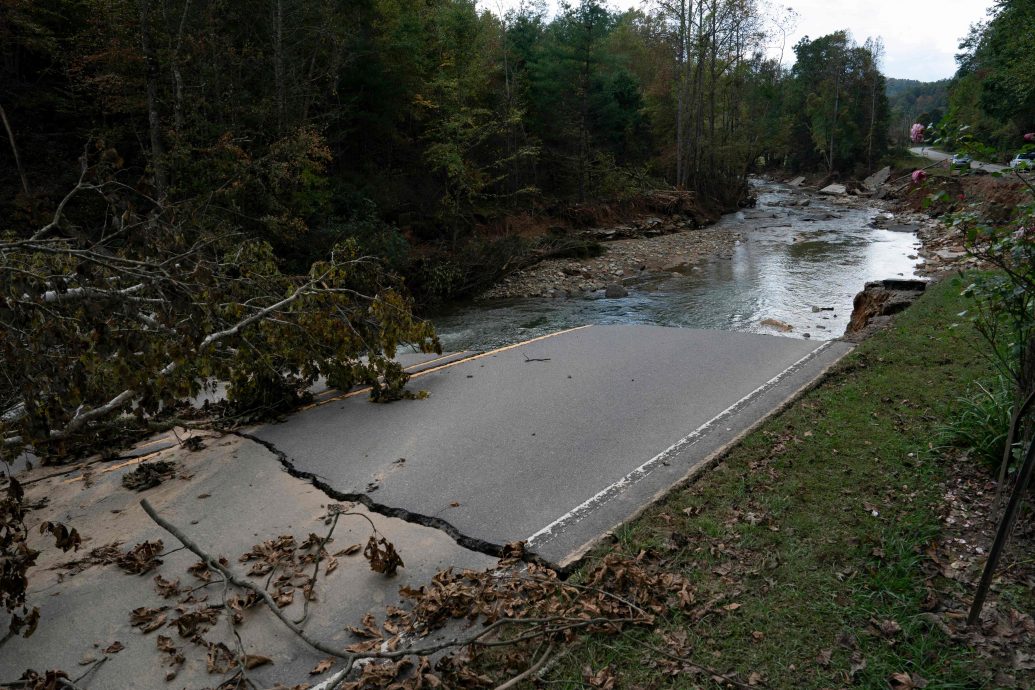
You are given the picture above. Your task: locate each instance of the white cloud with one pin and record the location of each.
(921, 38)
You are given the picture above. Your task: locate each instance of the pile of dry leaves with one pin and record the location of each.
(517, 617)
(508, 621)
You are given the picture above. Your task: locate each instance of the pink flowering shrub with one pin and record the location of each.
(919, 176)
(916, 133)
(1030, 136)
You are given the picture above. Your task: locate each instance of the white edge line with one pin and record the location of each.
(576, 514)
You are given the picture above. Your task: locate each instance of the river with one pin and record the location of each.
(800, 265)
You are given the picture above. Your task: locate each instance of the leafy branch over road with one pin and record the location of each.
(121, 304)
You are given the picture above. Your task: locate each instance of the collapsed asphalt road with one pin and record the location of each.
(554, 441)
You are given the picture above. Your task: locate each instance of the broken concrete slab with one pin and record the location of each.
(950, 254)
(229, 496)
(834, 189)
(874, 181)
(796, 182)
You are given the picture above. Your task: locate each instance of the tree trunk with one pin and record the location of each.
(833, 121)
(178, 120)
(14, 150)
(278, 59)
(153, 122)
(683, 92)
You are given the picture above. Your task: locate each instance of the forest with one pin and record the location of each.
(915, 101)
(993, 91)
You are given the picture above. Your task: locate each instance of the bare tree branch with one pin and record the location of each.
(80, 186)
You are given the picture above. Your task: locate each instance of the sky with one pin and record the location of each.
(920, 36)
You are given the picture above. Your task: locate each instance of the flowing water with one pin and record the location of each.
(798, 265)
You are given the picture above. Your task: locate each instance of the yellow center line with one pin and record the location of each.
(112, 468)
(155, 442)
(320, 397)
(463, 360)
(360, 391)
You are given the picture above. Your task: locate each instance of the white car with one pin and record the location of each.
(1023, 161)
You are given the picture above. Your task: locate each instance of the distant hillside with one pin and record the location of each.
(915, 101)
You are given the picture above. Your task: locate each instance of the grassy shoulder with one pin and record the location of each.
(805, 544)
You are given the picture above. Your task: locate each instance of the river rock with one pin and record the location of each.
(796, 182)
(614, 291)
(778, 325)
(834, 189)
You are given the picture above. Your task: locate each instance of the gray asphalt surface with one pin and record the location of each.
(556, 440)
(934, 155)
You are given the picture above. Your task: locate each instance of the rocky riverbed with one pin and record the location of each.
(623, 261)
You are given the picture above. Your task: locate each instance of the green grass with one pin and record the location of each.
(981, 421)
(785, 526)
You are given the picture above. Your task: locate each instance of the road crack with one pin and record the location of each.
(466, 541)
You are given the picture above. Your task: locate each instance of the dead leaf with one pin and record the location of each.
(889, 628)
(858, 665)
(322, 667)
(382, 556)
(166, 588)
(173, 657)
(823, 658)
(603, 679)
(255, 660)
(1023, 661)
(201, 571)
(369, 629)
(284, 597)
(350, 550)
(900, 681)
(142, 558)
(191, 624)
(219, 659)
(147, 619)
(64, 538)
(114, 648)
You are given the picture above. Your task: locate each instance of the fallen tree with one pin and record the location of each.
(123, 304)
